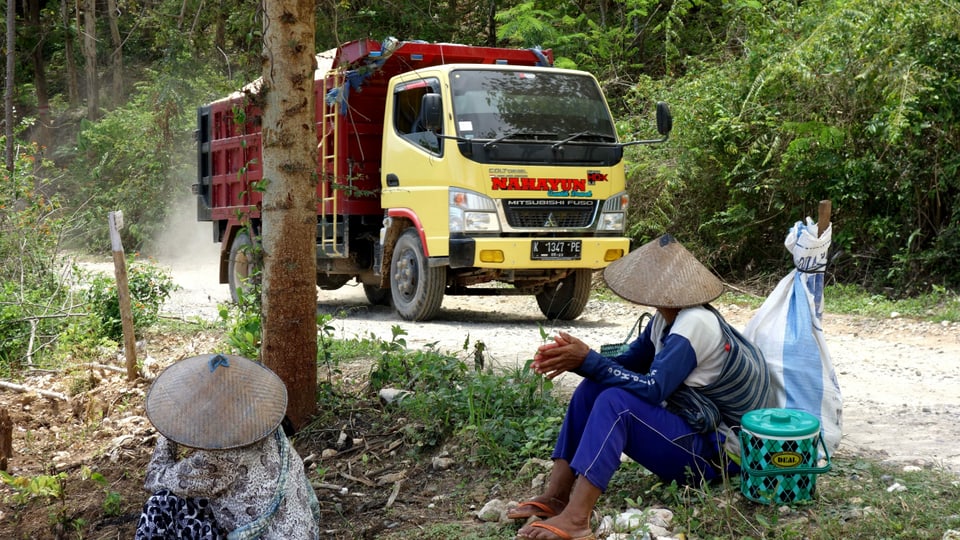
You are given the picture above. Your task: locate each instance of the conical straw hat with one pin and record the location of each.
(662, 273)
(216, 401)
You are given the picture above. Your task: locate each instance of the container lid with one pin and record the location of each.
(784, 423)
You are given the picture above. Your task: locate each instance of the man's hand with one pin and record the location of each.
(564, 354)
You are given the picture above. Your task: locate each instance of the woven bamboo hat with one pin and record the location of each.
(216, 402)
(662, 273)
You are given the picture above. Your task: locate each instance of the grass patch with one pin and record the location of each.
(454, 531)
(859, 498)
(938, 305)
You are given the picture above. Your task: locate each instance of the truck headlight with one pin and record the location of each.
(472, 212)
(614, 212)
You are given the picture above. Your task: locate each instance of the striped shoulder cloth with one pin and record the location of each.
(743, 385)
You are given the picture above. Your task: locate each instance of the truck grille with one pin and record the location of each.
(549, 213)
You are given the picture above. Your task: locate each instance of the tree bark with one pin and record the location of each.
(492, 24)
(289, 140)
(8, 89)
(41, 135)
(116, 58)
(90, 58)
(73, 84)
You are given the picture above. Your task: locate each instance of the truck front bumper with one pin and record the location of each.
(516, 253)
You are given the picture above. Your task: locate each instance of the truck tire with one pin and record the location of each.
(241, 265)
(566, 298)
(417, 288)
(376, 295)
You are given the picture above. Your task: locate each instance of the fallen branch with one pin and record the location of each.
(91, 365)
(85, 365)
(27, 389)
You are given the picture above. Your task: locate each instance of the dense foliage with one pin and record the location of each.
(32, 302)
(778, 104)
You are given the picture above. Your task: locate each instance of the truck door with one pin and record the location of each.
(415, 185)
(416, 171)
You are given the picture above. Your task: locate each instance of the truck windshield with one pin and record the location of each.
(529, 105)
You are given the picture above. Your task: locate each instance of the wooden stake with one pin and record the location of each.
(6, 439)
(823, 216)
(123, 292)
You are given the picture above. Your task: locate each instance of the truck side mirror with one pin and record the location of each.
(664, 118)
(431, 111)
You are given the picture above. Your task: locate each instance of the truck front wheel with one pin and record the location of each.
(416, 287)
(566, 298)
(241, 266)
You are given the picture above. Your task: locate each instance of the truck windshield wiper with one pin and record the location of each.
(581, 134)
(516, 134)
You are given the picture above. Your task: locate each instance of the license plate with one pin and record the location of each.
(555, 250)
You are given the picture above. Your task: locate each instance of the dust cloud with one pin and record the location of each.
(184, 241)
(186, 248)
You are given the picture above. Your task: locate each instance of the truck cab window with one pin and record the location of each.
(408, 117)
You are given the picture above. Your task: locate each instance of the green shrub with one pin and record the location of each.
(856, 102)
(33, 300)
(149, 286)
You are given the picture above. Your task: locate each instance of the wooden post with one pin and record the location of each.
(6, 439)
(123, 292)
(823, 216)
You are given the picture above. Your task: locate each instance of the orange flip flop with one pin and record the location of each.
(560, 533)
(543, 510)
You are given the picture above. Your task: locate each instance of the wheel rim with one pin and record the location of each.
(406, 274)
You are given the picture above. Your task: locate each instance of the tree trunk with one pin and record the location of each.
(8, 89)
(220, 30)
(116, 58)
(90, 58)
(39, 75)
(492, 24)
(73, 84)
(289, 140)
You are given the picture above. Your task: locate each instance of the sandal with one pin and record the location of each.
(541, 510)
(560, 533)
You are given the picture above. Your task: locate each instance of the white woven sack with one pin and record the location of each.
(788, 329)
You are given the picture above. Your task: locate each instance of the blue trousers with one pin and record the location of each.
(602, 422)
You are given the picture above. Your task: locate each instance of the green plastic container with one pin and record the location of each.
(778, 463)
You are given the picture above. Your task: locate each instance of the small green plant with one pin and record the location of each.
(244, 325)
(47, 488)
(43, 486)
(112, 501)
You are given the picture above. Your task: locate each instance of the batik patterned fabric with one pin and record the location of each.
(167, 516)
(257, 491)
